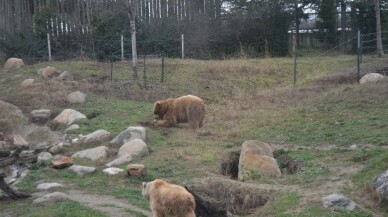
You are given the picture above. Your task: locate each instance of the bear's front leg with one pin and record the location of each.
(161, 123)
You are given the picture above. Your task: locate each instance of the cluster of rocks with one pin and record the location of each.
(39, 142)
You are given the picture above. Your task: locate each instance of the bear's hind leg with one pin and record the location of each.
(156, 213)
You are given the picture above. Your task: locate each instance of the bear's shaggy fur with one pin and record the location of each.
(168, 199)
(185, 109)
(13, 63)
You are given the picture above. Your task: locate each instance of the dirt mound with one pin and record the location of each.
(234, 197)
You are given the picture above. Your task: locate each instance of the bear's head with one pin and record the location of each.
(160, 109)
(145, 191)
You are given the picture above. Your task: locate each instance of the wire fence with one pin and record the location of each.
(151, 68)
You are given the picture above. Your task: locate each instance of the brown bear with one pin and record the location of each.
(168, 199)
(185, 109)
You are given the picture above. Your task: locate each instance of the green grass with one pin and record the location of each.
(65, 208)
(246, 99)
(375, 161)
(320, 211)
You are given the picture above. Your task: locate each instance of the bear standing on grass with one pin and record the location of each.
(185, 109)
(168, 199)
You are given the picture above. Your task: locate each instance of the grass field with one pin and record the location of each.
(315, 121)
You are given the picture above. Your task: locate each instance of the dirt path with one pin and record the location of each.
(111, 206)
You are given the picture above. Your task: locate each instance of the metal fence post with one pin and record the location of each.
(162, 79)
(144, 72)
(122, 48)
(294, 56)
(49, 46)
(358, 54)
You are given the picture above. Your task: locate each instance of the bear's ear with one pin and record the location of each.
(157, 103)
(144, 184)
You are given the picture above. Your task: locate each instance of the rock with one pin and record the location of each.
(120, 160)
(381, 185)
(137, 170)
(27, 154)
(353, 147)
(44, 157)
(11, 118)
(371, 78)
(96, 136)
(338, 202)
(112, 170)
(68, 116)
(258, 147)
(73, 127)
(64, 76)
(82, 170)
(12, 64)
(19, 141)
(48, 185)
(27, 82)
(255, 161)
(136, 148)
(36, 134)
(130, 134)
(76, 97)
(95, 154)
(55, 149)
(133, 150)
(61, 162)
(50, 198)
(40, 116)
(49, 72)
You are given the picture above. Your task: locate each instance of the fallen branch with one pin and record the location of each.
(11, 192)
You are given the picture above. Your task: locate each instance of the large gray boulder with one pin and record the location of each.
(129, 134)
(137, 148)
(69, 116)
(338, 202)
(11, 118)
(96, 136)
(123, 159)
(131, 151)
(256, 160)
(94, 154)
(371, 78)
(381, 185)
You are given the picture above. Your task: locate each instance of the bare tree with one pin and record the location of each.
(380, 50)
(130, 5)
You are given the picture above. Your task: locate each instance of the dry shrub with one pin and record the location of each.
(229, 164)
(234, 197)
(47, 94)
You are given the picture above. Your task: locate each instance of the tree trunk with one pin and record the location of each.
(297, 23)
(134, 51)
(343, 23)
(380, 50)
(131, 11)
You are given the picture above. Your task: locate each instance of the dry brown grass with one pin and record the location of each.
(232, 196)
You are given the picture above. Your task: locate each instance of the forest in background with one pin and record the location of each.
(213, 29)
